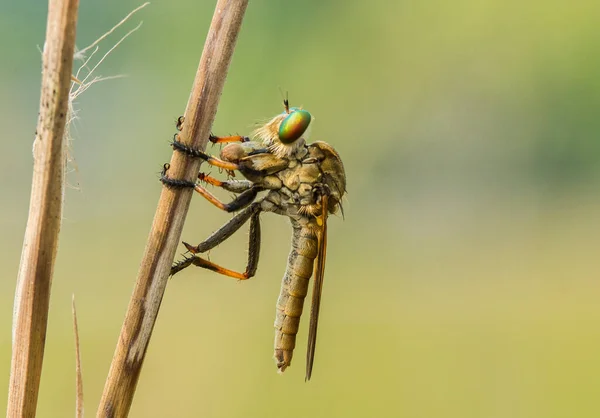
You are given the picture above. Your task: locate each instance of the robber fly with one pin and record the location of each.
(304, 182)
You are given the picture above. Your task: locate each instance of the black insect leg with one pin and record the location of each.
(241, 201)
(221, 235)
(225, 231)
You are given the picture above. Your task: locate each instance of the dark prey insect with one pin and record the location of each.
(304, 182)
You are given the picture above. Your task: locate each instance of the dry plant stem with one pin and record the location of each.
(78, 372)
(40, 244)
(171, 212)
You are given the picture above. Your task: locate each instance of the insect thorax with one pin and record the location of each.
(295, 197)
(292, 180)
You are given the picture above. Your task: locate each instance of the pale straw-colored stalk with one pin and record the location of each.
(32, 295)
(170, 214)
(59, 90)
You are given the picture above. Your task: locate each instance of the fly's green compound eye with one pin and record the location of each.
(294, 125)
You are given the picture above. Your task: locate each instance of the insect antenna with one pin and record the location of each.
(286, 102)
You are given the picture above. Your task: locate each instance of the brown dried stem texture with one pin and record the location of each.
(171, 212)
(45, 210)
(78, 372)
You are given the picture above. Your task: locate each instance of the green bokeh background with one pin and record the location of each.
(463, 281)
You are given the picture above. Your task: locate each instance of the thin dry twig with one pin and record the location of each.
(32, 296)
(171, 212)
(78, 372)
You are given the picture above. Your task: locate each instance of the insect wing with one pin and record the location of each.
(317, 289)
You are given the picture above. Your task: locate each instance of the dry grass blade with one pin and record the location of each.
(171, 211)
(40, 244)
(78, 372)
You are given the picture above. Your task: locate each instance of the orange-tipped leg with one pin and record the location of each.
(228, 229)
(194, 153)
(235, 186)
(225, 139)
(210, 180)
(201, 262)
(226, 165)
(253, 246)
(241, 201)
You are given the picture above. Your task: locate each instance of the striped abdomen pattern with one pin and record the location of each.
(294, 288)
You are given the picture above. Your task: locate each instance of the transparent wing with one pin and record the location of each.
(317, 289)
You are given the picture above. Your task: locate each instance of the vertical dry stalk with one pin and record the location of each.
(78, 372)
(32, 295)
(171, 212)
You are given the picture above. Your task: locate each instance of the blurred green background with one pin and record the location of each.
(463, 281)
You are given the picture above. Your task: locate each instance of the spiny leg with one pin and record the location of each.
(225, 139)
(241, 201)
(234, 186)
(225, 231)
(186, 149)
(213, 138)
(253, 254)
(217, 237)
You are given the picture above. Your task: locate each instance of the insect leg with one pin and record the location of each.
(224, 139)
(220, 236)
(213, 138)
(194, 153)
(179, 124)
(235, 186)
(241, 201)
(225, 231)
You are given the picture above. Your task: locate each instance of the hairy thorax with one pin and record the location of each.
(291, 180)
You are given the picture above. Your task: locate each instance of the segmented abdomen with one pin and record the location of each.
(294, 288)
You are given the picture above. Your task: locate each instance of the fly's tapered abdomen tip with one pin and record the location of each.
(283, 359)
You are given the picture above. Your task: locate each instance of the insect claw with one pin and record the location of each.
(341, 210)
(179, 124)
(321, 189)
(190, 248)
(180, 265)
